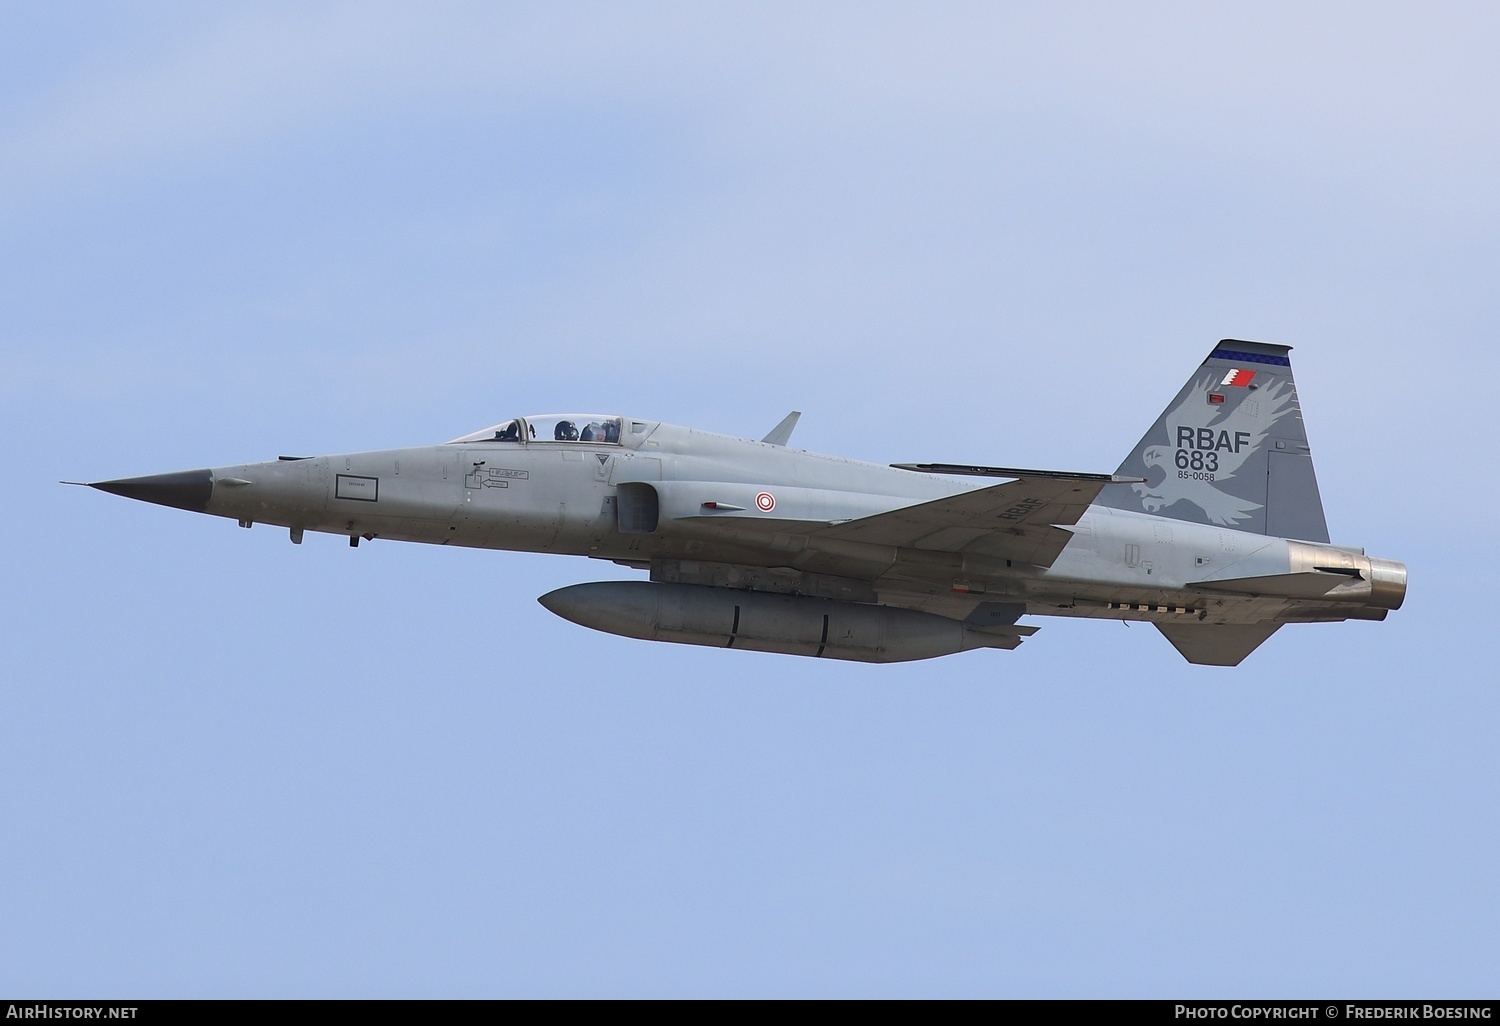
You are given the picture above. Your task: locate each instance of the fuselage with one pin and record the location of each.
(699, 508)
(1212, 528)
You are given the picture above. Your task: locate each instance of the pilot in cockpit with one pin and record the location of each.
(566, 431)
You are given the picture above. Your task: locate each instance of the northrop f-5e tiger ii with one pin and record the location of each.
(1211, 529)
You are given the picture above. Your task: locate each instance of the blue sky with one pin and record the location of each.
(990, 233)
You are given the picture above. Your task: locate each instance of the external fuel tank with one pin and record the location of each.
(692, 614)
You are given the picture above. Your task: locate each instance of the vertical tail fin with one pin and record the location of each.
(1230, 450)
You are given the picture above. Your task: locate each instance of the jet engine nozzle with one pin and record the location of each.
(1387, 583)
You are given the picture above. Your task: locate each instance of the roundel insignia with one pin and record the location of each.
(765, 502)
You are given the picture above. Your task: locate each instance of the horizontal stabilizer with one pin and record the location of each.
(782, 433)
(1308, 585)
(1216, 644)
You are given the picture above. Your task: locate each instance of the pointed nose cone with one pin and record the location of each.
(616, 607)
(571, 603)
(189, 489)
(626, 608)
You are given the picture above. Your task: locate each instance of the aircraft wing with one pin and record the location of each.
(1022, 520)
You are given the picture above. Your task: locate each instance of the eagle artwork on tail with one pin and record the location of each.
(1246, 425)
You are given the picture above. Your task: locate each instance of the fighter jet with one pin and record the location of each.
(1212, 528)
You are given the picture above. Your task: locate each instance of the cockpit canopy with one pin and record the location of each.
(551, 427)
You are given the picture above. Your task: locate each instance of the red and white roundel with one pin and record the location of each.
(765, 502)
